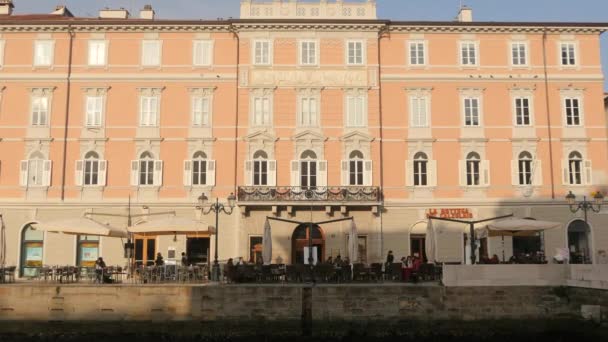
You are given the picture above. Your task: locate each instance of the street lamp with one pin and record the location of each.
(585, 205)
(216, 207)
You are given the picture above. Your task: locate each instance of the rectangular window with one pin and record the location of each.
(420, 172)
(473, 172)
(43, 52)
(260, 172)
(150, 52)
(525, 171)
(146, 172)
(519, 54)
(261, 111)
(417, 56)
(91, 172)
(471, 111)
(468, 53)
(568, 54)
(199, 172)
(148, 111)
(1, 53)
(40, 110)
(308, 112)
(575, 172)
(308, 173)
(97, 52)
(261, 55)
(94, 111)
(522, 111)
(88, 250)
(200, 111)
(35, 172)
(355, 53)
(355, 111)
(308, 53)
(203, 51)
(418, 106)
(573, 114)
(355, 172)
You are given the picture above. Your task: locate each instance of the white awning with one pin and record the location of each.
(81, 226)
(519, 227)
(171, 225)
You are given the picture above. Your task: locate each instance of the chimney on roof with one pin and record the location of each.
(147, 12)
(465, 15)
(62, 11)
(107, 13)
(6, 7)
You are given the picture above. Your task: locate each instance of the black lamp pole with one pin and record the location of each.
(585, 205)
(216, 207)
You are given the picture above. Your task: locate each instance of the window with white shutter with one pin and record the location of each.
(468, 53)
(355, 53)
(574, 170)
(200, 111)
(261, 111)
(308, 112)
(421, 169)
(262, 52)
(356, 113)
(97, 52)
(43, 52)
(199, 169)
(203, 52)
(417, 53)
(150, 53)
(146, 171)
(473, 169)
(40, 110)
(94, 111)
(524, 169)
(419, 111)
(308, 53)
(148, 111)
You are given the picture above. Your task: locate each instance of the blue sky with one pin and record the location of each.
(484, 10)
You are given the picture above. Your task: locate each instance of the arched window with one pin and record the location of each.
(91, 168)
(524, 170)
(355, 168)
(308, 169)
(420, 169)
(199, 168)
(146, 169)
(260, 168)
(87, 250)
(32, 244)
(308, 154)
(575, 165)
(473, 168)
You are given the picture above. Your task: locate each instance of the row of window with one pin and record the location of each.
(308, 52)
(308, 111)
(308, 171)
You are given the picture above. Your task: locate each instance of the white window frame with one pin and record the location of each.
(207, 59)
(266, 117)
(363, 56)
(417, 43)
(579, 100)
(43, 172)
(574, 51)
(156, 46)
(263, 61)
(47, 114)
(100, 170)
(314, 109)
(527, 171)
(201, 117)
(414, 106)
(2, 45)
(516, 111)
(479, 110)
(260, 162)
(41, 44)
(462, 57)
(97, 62)
(515, 60)
(93, 115)
(417, 174)
(149, 115)
(352, 123)
(308, 62)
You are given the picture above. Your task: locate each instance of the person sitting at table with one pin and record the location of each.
(330, 260)
(406, 268)
(100, 265)
(494, 259)
(159, 260)
(184, 260)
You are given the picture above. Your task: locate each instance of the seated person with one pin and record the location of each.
(494, 259)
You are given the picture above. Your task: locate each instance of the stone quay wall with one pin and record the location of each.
(292, 303)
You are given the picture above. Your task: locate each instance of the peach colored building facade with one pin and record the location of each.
(310, 113)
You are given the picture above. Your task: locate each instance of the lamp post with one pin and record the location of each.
(216, 207)
(585, 205)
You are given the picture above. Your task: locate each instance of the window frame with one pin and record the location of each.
(348, 115)
(2, 50)
(470, 161)
(420, 176)
(259, 176)
(461, 56)
(47, 115)
(479, 101)
(105, 53)
(530, 106)
(579, 109)
(316, 54)
(254, 113)
(410, 45)
(526, 172)
(300, 110)
(101, 99)
(156, 111)
(209, 53)
(572, 161)
(526, 56)
(94, 171)
(414, 110)
(363, 52)
(269, 51)
(202, 171)
(204, 122)
(159, 53)
(39, 43)
(574, 52)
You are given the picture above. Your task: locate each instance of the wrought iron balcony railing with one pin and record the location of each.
(307, 194)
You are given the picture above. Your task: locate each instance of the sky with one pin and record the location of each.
(442, 10)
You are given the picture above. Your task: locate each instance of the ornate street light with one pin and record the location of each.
(216, 207)
(585, 205)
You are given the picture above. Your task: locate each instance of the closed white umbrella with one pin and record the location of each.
(429, 242)
(267, 244)
(171, 225)
(353, 243)
(81, 226)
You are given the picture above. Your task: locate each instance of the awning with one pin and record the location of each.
(171, 225)
(81, 226)
(519, 227)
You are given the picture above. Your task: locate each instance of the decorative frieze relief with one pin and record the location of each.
(295, 78)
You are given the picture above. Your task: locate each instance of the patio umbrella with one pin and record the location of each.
(429, 242)
(267, 244)
(353, 243)
(2, 242)
(519, 227)
(171, 225)
(81, 226)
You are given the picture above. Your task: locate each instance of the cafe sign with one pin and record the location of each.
(450, 213)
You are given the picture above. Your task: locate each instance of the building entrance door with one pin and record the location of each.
(300, 239)
(197, 250)
(417, 246)
(578, 242)
(145, 250)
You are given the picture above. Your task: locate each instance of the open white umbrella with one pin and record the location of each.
(519, 227)
(171, 225)
(429, 242)
(353, 243)
(81, 226)
(267, 244)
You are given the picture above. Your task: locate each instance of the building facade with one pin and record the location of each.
(307, 112)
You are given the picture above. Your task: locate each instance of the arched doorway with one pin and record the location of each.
(579, 242)
(300, 238)
(32, 244)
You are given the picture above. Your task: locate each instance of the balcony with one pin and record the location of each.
(331, 194)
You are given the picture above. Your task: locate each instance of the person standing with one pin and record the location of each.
(100, 266)
(185, 262)
(159, 260)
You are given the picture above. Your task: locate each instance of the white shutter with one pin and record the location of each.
(248, 172)
(368, 175)
(158, 172)
(79, 172)
(538, 173)
(135, 172)
(409, 173)
(272, 173)
(565, 173)
(295, 173)
(187, 172)
(210, 172)
(344, 173)
(515, 172)
(588, 172)
(322, 172)
(462, 172)
(432, 173)
(485, 168)
(46, 174)
(103, 173)
(23, 171)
